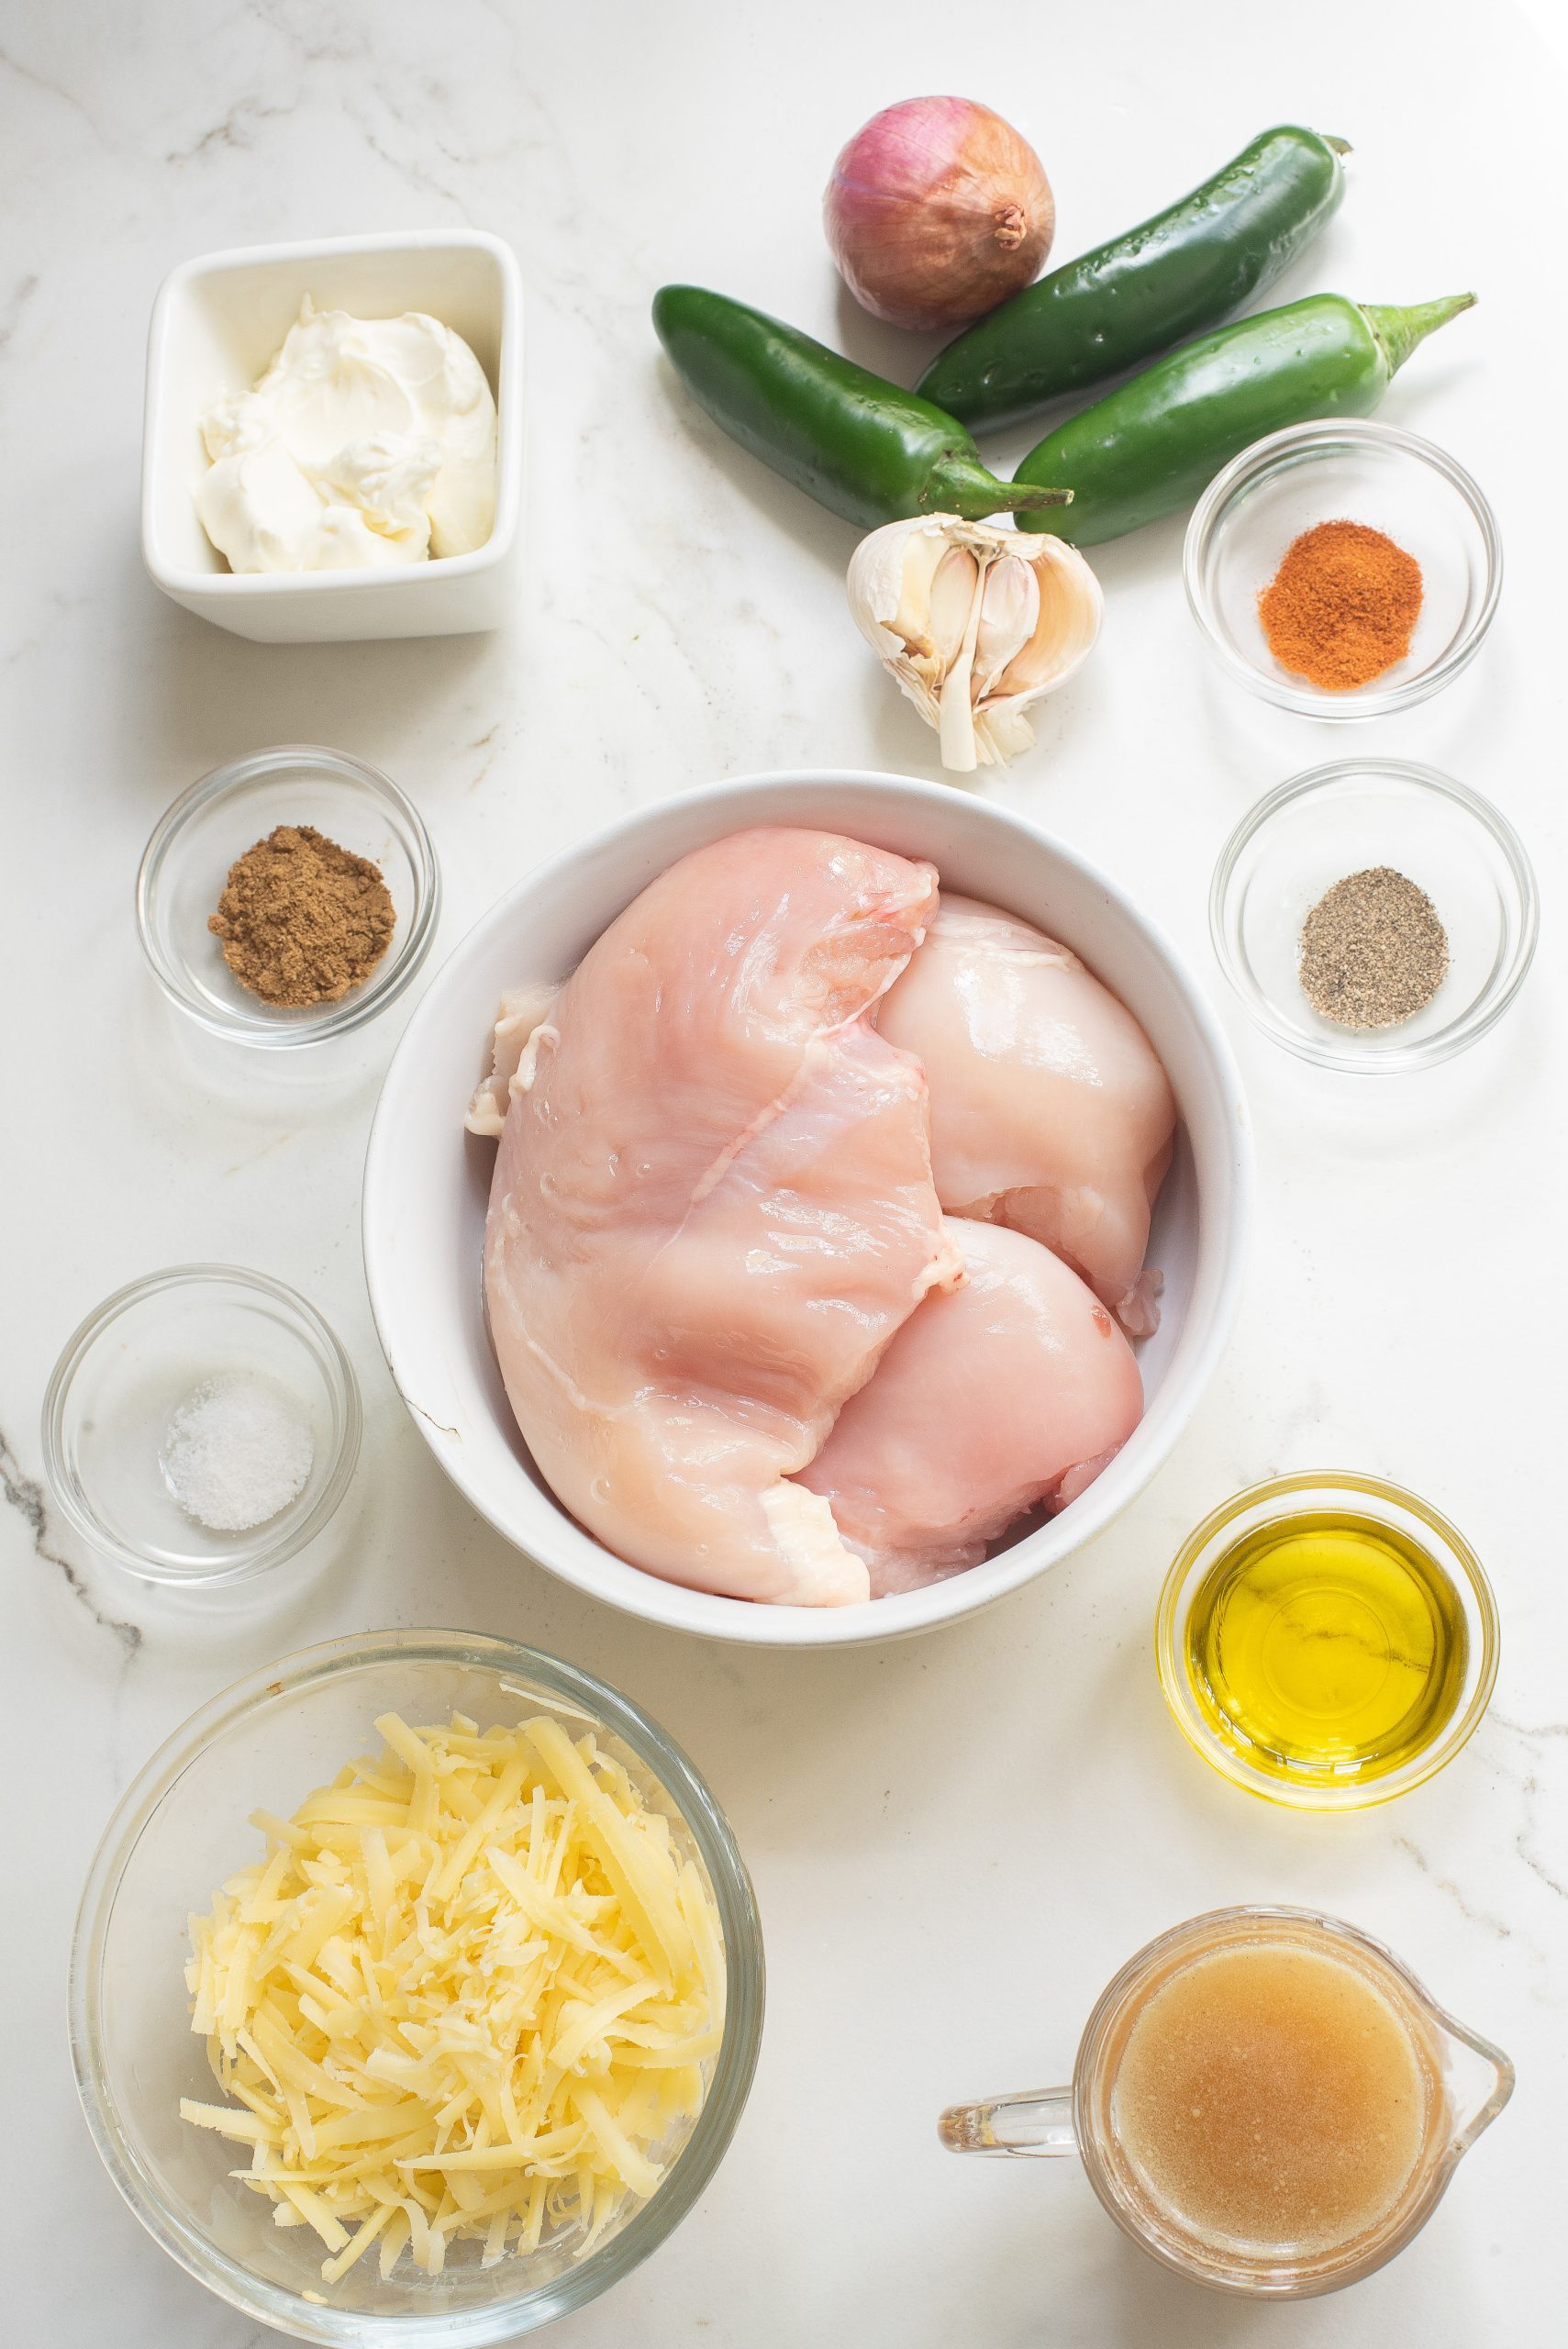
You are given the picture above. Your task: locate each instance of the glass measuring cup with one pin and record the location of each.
(1467, 2083)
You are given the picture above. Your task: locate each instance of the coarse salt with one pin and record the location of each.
(235, 1452)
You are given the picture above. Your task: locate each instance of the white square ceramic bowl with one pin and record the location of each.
(427, 1182)
(216, 323)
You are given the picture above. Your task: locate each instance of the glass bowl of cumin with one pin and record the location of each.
(215, 822)
(1404, 830)
(1433, 589)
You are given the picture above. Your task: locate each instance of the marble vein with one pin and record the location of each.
(24, 1495)
(1446, 1883)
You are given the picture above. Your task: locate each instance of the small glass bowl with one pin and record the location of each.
(128, 1369)
(182, 1829)
(1280, 1500)
(1334, 820)
(187, 860)
(1354, 472)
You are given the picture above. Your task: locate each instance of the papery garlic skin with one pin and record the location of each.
(974, 623)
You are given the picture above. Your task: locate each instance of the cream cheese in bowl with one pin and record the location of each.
(366, 443)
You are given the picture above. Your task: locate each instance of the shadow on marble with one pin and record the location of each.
(1144, 2304)
(777, 503)
(204, 696)
(243, 1625)
(1422, 1126)
(185, 1074)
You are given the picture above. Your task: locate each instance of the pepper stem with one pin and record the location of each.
(1398, 331)
(1340, 146)
(959, 485)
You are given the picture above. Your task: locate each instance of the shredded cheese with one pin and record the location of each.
(471, 1992)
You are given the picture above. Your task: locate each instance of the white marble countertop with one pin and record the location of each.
(955, 1840)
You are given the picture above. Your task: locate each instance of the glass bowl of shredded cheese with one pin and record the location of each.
(417, 1991)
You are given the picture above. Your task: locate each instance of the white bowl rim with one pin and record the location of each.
(706, 1614)
(177, 578)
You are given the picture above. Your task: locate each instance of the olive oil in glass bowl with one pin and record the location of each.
(1327, 1642)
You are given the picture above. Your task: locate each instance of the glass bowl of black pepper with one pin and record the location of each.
(1343, 568)
(341, 817)
(1374, 916)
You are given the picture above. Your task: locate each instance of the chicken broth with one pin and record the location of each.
(1273, 2101)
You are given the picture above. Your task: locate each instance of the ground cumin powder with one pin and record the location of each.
(302, 920)
(1342, 606)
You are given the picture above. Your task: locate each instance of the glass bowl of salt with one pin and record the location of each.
(1342, 569)
(1374, 915)
(201, 1426)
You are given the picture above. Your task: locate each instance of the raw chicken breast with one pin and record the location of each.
(514, 1052)
(713, 1207)
(1050, 1111)
(1015, 1389)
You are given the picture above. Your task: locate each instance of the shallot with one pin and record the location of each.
(938, 210)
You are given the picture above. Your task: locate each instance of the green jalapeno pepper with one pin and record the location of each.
(1184, 269)
(1155, 444)
(871, 452)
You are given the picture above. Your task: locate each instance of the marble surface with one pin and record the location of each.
(955, 1840)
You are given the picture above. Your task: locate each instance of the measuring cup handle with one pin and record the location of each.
(1037, 2121)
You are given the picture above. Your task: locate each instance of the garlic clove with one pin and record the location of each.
(956, 729)
(974, 623)
(1070, 610)
(955, 592)
(889, 586)
(1001, 731)
(1010, 618)
(923, 555)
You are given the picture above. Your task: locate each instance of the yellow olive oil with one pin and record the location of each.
(1326, 1649)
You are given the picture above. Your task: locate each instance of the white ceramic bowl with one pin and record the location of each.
(427, 1182)
(216, 323)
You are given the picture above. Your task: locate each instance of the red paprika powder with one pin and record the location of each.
(1342, 606)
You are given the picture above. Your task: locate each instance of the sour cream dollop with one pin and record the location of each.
(367, 442)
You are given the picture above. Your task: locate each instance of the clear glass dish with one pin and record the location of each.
(1348, 471)
(135, 1360)
(186, 863)
(1310, 832)
(1278, 1501)
(182, 1829)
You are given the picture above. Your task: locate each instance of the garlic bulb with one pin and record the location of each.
(974, 622)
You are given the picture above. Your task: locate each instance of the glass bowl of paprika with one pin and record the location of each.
(1343, 568)
(288, 897)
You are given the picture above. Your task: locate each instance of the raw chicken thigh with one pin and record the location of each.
(1016, 1389)
(712, 1207)
(1050, 1111)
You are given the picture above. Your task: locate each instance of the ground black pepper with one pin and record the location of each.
(1373, 950)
